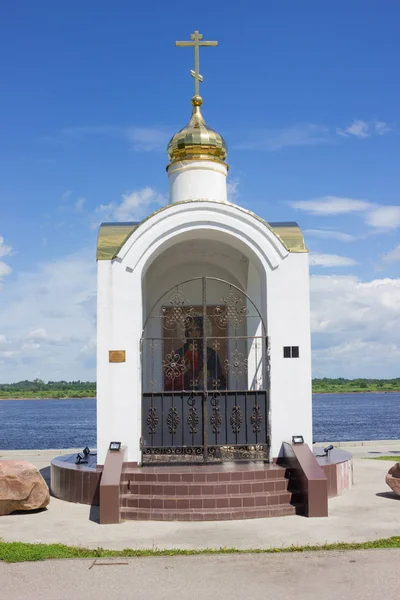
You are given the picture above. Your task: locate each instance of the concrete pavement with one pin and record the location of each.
(352, 575)
(367, 512)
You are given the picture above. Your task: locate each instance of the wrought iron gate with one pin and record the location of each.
(204, 369)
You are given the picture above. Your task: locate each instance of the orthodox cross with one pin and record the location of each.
(196, 38)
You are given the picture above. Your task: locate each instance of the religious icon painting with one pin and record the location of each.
(195, 350)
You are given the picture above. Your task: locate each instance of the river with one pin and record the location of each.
(40, 424)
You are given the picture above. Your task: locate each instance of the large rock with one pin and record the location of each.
(393, 478)
(21, 487)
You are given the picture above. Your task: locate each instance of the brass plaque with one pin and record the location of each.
(116, 356)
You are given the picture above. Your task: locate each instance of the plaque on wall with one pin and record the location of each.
(116, 356)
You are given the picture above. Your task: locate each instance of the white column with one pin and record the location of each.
(119, 385)
(288, 310)
(197, 179)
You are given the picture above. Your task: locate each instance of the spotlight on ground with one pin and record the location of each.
(327, 450)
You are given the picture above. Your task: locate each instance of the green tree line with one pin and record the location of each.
(87, 389)
(52, 389)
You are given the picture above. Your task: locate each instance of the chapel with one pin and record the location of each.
(203, 350)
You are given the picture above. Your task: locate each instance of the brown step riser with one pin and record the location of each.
(233, 502)
(199, 478)
(194, 489)
(209, 516)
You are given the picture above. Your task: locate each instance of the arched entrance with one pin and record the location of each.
(205, 375)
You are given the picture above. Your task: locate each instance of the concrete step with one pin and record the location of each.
(193, 488)
(182, 503)
(235, 472)
(222, 514)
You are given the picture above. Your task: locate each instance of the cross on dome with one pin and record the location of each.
(197, 141)
(196, 42)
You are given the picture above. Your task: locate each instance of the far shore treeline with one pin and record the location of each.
(87, 389)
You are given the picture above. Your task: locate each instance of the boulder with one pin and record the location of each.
(393, 478)
(22, 487)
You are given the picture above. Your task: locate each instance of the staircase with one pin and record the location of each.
(206, 492)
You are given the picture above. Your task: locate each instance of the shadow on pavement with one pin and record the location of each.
(390, 495)
(94, 514)
(45, 473)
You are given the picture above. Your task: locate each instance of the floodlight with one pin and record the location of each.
(115, 446)
(297, 439)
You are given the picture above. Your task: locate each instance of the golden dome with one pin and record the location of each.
(197, 141)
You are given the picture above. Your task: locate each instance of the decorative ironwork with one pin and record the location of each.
(206, 385)
(239, 452)
(233, 313)
(173, 365)
(152, 420)
(173, 420)
(256, 418)
(238, 365)
(216, 417)
(236, 419)
(216, 384)
(178, 314)
(193, 420)
(173, 450)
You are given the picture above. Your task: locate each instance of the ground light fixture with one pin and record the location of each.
(115, 446)
(81, 457)
(327, 449)
(297, 439)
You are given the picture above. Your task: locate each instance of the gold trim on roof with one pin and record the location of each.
(112, 236)
(291, 236)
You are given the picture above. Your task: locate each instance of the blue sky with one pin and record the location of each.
(307, 96)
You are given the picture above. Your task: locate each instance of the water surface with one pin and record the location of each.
(41, 424)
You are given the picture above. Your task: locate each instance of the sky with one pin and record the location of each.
(307, 96)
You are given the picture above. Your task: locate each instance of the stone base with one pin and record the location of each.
(75, 483)
(338, 469)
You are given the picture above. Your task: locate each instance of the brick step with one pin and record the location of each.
(222, 514)
(234, 501)
(202, 474)
(193, 488)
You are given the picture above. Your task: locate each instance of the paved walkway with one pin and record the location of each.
(359, 575)
(369, 511)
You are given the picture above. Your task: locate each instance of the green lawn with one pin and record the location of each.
(21, 552)
(393, 458)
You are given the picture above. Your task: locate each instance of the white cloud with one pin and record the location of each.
(381, 127)
(378, 216)
(384, 217)
(143, 139)
(49, 315)
(79, 204)
(363, 129)
(65, 195)
(232, 188)
(330, 260)
(331, 205)
(4, 249)
(358, 128)
(303, 134)
(355, 326)
(393, 255)
(133, 206)
(330, 234)
(4, 269)
(148, 139)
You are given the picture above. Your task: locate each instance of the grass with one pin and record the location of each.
(21, 552)
(393, 458)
